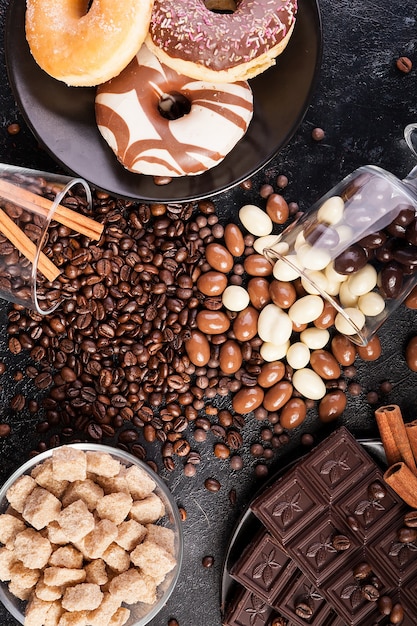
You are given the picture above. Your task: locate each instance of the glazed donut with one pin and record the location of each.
(82, 45)
(209, 45)
(140, 115)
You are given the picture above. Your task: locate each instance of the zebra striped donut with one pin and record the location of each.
(130, 114)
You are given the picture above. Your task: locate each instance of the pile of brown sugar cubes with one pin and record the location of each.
(80, 537)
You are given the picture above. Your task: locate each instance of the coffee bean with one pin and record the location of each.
(189, 470)
(169, 463)
(232, 497)
(303, 610)
(376, 491)
(410, 519)
(5, 430)
(128, 436)
(317, 134)
(94, 430)
(17, 403)
(43, 380)
(362, 571)
(407, 535)
(341, 542)
(212, 484)
(207, 561)
(236, 462)
(221, 451)
(13, 129)
(370, 593)
(234, 439)
(404, 64)
(15, 346)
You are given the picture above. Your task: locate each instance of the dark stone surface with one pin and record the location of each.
(363, 103)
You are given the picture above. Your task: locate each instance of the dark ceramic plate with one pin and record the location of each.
(249, 524)
(62, 118)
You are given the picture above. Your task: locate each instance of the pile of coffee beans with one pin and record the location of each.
(143, 349)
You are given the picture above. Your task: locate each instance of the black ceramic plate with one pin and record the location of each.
(249, 524)
(62, 118)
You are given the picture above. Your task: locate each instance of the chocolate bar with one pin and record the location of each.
(338, 521)
(328, 549)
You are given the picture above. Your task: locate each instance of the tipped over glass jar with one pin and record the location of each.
(356, 247)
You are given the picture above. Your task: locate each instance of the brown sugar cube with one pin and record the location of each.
(115, 507)
(133, 586)
(120, 617)
(76, 618)
(82, 597)
(111, 574)
(36, 611)
(129, 534)
(19, 491)
(86, 490)
(113, 484)
(43, 475)
(152, 559)
(76, 520)
(54, 614)
(116, 558)
(96, 572)
(139, 482)
(66, 556)
(148, 510)
(11, 511)
(102, 463)
(20, 592)
(69, 463)
(32, 549)
(164, 537)
(47, 592)
(9, 527)
(24, 577)
(40, 508)
(99, 539)
(7, 558)
(55, 534)
(100, 616)
(62, 576)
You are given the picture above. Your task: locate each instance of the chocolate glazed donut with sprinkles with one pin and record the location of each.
(220, 46)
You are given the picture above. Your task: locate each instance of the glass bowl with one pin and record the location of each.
(140, 613)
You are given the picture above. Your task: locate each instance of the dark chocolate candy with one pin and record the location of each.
(247, 609)
(266, 570)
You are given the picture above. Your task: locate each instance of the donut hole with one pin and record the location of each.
(88, 5)
(173, 105)
(221, 6)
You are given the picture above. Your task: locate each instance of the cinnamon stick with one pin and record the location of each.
(403, 481)
(26, 246)
(41, 206)
(394, 436)
(411, 429)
